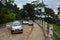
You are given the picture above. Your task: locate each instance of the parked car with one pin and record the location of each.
(30, 22)
(25, 21)
(16, 27)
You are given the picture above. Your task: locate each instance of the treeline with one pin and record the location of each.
(11, 12)
(8, 12)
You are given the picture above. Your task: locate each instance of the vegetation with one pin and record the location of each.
(57, 31)
(11, 12)
(29, 8)
(6, 14)
(50, 12)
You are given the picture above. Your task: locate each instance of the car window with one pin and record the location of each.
(16, 24)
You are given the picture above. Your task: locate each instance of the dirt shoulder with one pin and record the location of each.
(37, 33)
(29, 33)
(5, 34)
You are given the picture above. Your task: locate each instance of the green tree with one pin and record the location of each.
(6, 14)
(22, 14)
(29, 8)
(10, 16)
(50, 11)
(13, 8)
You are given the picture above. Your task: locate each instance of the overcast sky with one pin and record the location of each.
(51, 3)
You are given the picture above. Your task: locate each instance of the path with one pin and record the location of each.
(37, 33)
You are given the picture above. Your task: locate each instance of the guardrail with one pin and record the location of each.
(51, 34)
(56, 36)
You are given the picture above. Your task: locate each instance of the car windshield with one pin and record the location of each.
(30, 21)
(16, 24)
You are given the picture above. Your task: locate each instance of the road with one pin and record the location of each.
(37, 33)
(29, 33)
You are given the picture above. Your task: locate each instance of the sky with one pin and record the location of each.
(51, 3)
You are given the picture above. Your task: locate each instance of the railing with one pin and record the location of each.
(52, 35)
(48, 32)
(56, 36)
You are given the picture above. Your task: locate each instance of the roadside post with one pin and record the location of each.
(50, 35)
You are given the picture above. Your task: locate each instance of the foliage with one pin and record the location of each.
(6, 14)
(10, 16)
(53, 21)
(29, 9)
(57, 29)
(41, 5)
(12, 12)
(50, 11)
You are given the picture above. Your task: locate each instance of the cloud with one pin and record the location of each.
(20, 3)
(51, 3)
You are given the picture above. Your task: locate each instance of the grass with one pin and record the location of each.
(55, 37)
(56, 29)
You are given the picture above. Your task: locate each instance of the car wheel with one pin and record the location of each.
(21, 30)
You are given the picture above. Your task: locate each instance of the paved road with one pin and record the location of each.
(30, 33)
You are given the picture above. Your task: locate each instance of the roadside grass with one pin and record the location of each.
(55, 37)
(56, 29)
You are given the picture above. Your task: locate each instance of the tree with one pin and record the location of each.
(13, 8)
(6, 14)
(58, 10)
(50, 11)
(11, 1)
(22, 14)
(10, 16)
(29, 8)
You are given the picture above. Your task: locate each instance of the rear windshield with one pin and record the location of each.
(16, 24)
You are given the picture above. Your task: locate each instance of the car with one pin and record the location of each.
(25, 21)
(16, 27)
(30, 22)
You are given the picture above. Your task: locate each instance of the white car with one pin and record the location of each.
(30, 22)
(16, 27)
(25, 22)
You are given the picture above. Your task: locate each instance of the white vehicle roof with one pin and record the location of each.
(25, 21)
(16, 22)
(30, 21)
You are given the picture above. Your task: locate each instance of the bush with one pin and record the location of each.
(53, 21)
